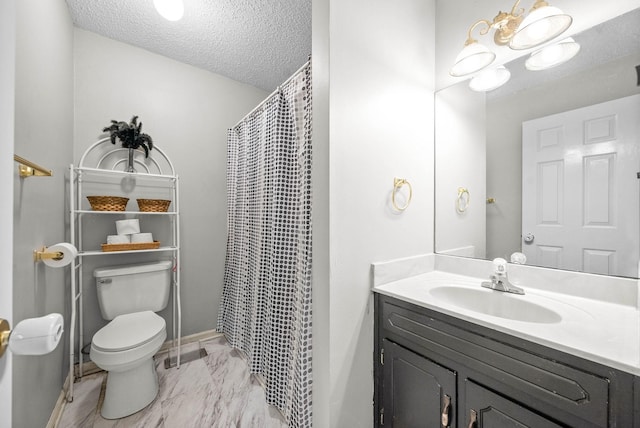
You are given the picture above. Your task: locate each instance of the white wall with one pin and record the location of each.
(381, 67)
(187, 112)
(320, 216)
(7, 110)
(461, 154)
(43, 134)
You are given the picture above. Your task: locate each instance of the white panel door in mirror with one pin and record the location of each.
(572, 162)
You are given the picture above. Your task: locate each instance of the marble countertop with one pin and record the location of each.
(603, 332)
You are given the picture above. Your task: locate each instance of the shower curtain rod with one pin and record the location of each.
(272, 94)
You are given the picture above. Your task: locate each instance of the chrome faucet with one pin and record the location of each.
(500, 280)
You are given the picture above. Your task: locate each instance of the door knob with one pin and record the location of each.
(5, 332)
(528, 238)
(31, 336)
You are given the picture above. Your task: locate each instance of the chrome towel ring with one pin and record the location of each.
(398, 183)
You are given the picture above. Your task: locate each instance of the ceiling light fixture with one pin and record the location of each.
(490, 79)
(512, 29)
(171, 10)
(552, 55)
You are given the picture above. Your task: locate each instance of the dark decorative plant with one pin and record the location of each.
(130, 135)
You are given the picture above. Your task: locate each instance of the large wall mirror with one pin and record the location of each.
(548, 165)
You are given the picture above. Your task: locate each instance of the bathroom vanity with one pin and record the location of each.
(436, 365)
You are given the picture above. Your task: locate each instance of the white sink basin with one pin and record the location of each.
(495, 303)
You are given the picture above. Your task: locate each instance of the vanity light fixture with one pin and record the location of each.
(552, 55)
(490, 79)
(171, 10)
(512, 29)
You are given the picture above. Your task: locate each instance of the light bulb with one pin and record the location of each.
(171, 10)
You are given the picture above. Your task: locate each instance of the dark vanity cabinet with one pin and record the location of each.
(433, 370)
(418, 391)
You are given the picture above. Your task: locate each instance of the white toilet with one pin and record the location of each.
(129, 296)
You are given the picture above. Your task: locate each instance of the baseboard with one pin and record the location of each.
(89, 368)
(56, 414)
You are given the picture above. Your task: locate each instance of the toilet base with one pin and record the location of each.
(130, 391)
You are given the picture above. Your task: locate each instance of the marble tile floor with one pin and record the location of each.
(214, 391)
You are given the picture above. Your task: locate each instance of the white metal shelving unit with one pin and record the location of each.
(104, 164)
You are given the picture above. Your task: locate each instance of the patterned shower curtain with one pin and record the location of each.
(266, 301)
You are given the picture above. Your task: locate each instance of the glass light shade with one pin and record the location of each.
(490, 79)
(472, 58)
(552, 55)
(171, 10)
(540, 26)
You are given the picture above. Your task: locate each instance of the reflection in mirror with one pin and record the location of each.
(550, 160)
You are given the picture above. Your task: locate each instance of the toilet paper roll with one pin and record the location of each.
(118, 239)
(142, 237)
(128, 227)
(69, 252)
(36, 336)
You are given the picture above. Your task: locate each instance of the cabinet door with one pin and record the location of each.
(417, 392)
(485, 409)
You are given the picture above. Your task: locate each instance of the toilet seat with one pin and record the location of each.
(129, 331)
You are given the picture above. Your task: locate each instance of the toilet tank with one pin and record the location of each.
(133, 288)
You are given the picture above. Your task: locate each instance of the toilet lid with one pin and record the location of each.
(128, 331)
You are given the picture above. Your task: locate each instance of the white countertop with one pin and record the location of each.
(603, 332)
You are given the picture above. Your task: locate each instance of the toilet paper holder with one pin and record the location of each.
(43, 254)
(57, 255)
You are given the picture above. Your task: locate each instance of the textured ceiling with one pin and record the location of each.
(259, 42)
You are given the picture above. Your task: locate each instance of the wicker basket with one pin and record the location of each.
(153, 205)
(108, 203)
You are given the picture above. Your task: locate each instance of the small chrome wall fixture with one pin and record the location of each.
(463, 200)
(27, 168)
(398, 183)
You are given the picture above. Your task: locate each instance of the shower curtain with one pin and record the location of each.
(266, 302)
